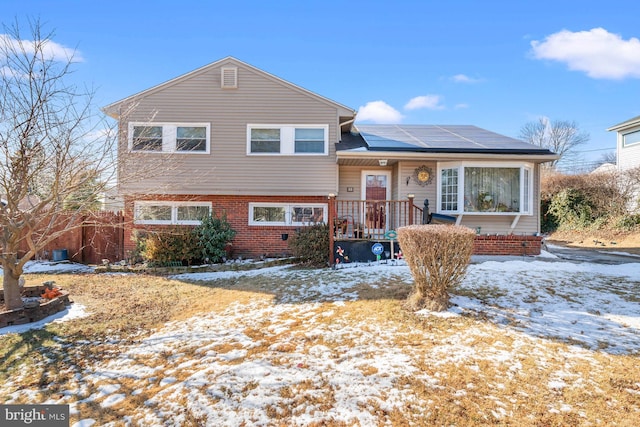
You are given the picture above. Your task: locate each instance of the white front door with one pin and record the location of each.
(376, 190)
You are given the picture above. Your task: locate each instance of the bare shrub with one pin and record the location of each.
(438, 256)
(572, 202)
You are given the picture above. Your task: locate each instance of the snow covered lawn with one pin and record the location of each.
(535, 342)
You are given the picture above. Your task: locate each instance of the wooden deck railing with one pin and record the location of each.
(368, 219)
(371, 219)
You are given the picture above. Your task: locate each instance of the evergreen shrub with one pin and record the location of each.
(310, 245)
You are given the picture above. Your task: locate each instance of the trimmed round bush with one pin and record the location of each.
(438, 257)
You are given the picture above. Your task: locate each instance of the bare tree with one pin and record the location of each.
(608, 157)
(560, 136)
(52, 148)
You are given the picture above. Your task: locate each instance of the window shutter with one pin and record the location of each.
(229, 77)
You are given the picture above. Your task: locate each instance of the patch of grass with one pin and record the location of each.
(485, 294)
(468, 371)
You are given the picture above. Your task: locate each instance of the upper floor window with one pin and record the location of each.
(481, 188)
(287, 139)
(265, 140)
(631, 138)
(168, 213)
(147, 138)
(170, 137)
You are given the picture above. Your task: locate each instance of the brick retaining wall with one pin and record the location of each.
(510, 244)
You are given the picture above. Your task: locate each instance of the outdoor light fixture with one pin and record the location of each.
(382, 162)
(411, 196)
(332, 195)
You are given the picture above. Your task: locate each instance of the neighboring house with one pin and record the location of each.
(273, 157)
(628, 144)
(628, 152)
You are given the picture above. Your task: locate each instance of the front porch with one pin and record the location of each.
(371, 219)
(357, 225)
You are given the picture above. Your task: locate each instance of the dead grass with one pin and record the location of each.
(602, 240)
(501, 378)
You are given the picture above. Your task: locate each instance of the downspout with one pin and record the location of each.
(345, 123)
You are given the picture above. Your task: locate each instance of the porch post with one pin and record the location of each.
(331, 222)
(426, 215)
(411, 197)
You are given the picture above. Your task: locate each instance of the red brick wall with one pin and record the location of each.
(254, 241)
(507, 245)
(250, 241)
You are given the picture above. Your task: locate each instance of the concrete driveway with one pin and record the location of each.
(566, 253)
(557, 253)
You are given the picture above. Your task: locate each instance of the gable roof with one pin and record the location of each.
(439, 139)
(113, 109)
(626, 124)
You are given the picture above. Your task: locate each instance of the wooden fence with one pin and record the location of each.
(88, 239)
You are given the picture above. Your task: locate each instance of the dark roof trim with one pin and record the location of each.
(463, 150)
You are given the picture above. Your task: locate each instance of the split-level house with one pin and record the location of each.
(232, 139)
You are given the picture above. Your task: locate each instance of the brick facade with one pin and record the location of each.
(510, 244)
(250, 242)
(254, 241)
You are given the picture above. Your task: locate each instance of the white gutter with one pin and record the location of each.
(346, 123)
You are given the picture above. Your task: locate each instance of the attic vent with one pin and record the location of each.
(229, 77)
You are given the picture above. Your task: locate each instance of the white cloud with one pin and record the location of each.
(461, 106)
(9, 72)
(430, 102)
(462, 78)
(379, 112)
(598, 53)
(52, 50)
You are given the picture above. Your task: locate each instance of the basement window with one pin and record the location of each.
(286, 213)
(170, 213)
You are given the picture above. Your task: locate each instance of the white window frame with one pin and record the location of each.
(170, 137)
(174, 212)
(624, 138)
(526, 188)
(288, 209)
(287, 139)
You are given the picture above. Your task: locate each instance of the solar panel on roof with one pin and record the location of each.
(457, 137)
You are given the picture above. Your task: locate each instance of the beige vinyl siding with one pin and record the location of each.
(421, 192)
(228, 169)
(350, 176)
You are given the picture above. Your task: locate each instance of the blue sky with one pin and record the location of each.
(493, 64)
